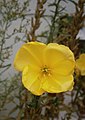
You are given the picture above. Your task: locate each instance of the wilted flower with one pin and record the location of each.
(45, 68)
(80, 64)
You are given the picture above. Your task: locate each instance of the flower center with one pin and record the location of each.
(45, 70)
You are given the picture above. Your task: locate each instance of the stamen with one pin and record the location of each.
(45, 71)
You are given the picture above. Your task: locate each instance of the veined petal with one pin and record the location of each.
(51, 86)
(66, 82)
(57, 84)
(29, 53)
(64, 49)
(31, 80)
(55, 53)
(65, 67)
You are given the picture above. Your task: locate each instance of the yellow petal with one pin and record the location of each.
(80, 64)
(81, 61)
(57, 84)
(55, 54)
(29, 53)
(31, 80)
(83, 72)
(82, 56)
(63, 49)
(65, 67)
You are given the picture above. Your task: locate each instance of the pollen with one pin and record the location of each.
(46, 71)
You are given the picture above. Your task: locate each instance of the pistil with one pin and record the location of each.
(45, 71)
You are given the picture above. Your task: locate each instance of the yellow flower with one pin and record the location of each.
(45, 68)
(80, 64)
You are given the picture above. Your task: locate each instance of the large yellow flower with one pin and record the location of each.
(80, 64)
(45, 68)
